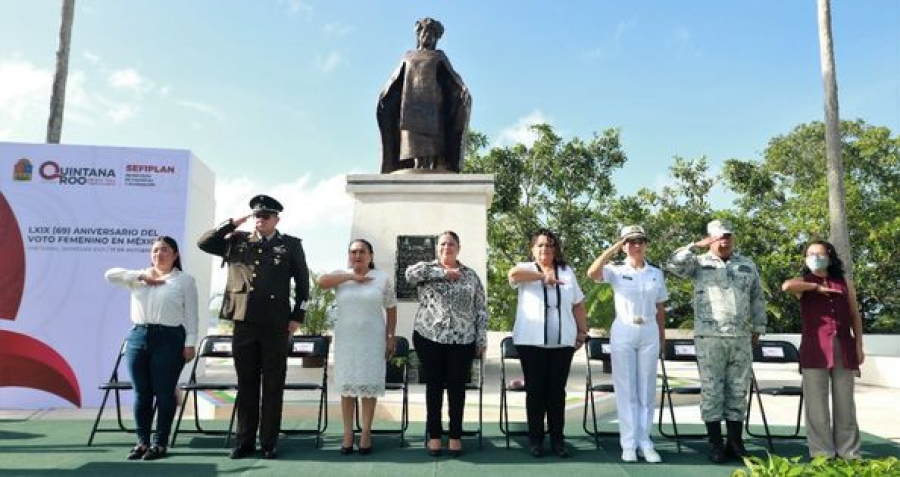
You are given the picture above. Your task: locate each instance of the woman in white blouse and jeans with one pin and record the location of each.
(450, 330)
(640, 294)
(551, 323)
(164, 313)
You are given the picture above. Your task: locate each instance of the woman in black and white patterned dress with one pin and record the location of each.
(450, 330)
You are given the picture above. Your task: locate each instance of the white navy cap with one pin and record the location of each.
(718, 228)
(632, 232)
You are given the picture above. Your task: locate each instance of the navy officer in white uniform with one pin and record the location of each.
(636, 337)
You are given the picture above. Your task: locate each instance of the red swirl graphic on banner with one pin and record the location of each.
(24, 361)
(28, 363)
(12, 262)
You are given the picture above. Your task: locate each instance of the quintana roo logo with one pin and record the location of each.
(24, 361)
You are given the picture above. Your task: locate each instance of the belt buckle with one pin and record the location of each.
(638, 320)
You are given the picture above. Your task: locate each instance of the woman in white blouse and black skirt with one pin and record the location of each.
(164, 313)
(551, 323)
(450, 330)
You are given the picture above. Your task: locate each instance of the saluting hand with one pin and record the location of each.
(237, 222)
(360, 278)
(151, 281)
(550, 278)
(826, 290)
(706, 242)
(452, 274)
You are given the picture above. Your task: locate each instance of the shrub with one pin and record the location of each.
(777, 466)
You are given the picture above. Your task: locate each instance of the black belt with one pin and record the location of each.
(152, 326)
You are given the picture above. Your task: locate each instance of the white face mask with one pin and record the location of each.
(816, 263)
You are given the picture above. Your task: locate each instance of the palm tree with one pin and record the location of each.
(58, 100)
(837, 210)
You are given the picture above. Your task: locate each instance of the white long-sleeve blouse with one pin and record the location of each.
(173, 303)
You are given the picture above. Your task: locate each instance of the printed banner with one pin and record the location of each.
(67, 214)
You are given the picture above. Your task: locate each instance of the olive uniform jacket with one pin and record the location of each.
(259, 275)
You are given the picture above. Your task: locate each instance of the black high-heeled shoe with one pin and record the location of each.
(454, 452)
(347, 450)
(433, 452)
(368, 449)
(154, 453)
(137, 452)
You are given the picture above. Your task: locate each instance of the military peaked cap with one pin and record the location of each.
(264, 203)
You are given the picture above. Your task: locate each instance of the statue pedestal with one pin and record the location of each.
(402, 214)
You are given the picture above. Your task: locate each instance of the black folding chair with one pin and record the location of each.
(508, 352)
(211, 347)
(774, 352)
(683, 351)
(396, 379)
(595, 349)
(311, 347)
(116, 386)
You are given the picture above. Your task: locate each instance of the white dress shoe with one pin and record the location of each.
(629, 455)
(650, 455)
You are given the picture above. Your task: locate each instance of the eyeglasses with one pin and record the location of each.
(263, 215)
(636, 241)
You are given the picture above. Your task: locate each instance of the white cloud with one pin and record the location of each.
(24, 92)
(206, 109)
(91, 57)
(120, 112)
(128, 78)
(97, 96)
(330, 62)
(297, 6)
(521, 132)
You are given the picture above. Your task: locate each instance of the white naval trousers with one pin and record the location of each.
(634, 353)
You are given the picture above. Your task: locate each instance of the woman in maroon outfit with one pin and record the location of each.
(831, 350)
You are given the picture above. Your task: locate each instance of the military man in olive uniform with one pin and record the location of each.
(729, 316)
(257, 298)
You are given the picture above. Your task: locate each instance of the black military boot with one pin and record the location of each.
(734, 445)
(716, 448)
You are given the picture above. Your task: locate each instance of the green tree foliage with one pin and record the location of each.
(784, 197)
(561, 185)
(780, 203)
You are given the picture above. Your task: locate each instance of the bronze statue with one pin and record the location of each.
(423, 112)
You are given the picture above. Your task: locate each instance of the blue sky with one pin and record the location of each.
(278, 96)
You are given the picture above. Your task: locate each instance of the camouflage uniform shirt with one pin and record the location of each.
(728, 298)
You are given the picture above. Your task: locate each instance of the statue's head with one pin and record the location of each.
(428, 32)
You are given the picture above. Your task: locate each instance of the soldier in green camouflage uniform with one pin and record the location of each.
(729, 316)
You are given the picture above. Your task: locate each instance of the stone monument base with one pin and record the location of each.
(402, 214)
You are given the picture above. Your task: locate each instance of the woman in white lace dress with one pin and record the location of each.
(363, 337)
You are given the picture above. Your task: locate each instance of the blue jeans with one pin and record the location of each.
(155, 357)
